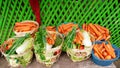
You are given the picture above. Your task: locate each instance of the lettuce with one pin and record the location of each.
(26, 45)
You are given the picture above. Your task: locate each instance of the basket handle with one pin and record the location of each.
(36, 9)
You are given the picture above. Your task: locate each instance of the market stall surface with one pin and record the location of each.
(63, 62)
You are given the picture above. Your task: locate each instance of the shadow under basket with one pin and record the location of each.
(101, 62)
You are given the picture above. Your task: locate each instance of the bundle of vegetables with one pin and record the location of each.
(18, 50)
(66, 28)
(48, 44)
(78, 45)
(104, 51)
(21, 28)
(97, 32)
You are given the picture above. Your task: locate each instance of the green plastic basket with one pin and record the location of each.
(53, 12)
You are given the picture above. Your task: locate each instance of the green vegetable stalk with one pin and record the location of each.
(69, 39)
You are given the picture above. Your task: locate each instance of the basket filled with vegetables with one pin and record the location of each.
(77, 42)
(48, 44)
(104, 54)
(18, 50)
(21, 28)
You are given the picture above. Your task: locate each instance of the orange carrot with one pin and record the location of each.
(98, 52)
(104, 36)
(94, 29)
(108, 37)
(100, 37)
(25, 24)
(22, 28)
(84, 26)
(96, 55)
(103, 28)
(109, 51)
(99, 29)
(80, 35)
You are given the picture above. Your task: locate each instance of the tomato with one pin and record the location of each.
(57, 52)
(81, 47)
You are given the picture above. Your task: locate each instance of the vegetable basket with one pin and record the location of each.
(79, 45)
(45, 52)
(102, 62)
(21, 56)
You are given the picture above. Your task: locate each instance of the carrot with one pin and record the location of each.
(84, 26)
(50, 28)
(103, 28)
(99, 29)
(96, 55)
(22, 28)
(80, 35)
(75, 25)
(60, 29)
(108, 57)
(104, 36)
(69, 29)
(50, 41)
(110, 47)
(25, 24)
(91, 31)
(109, 51)
(108, 37)
(100, 37)
(94, 29)
(98, 52)
(103, 50)
(105, 54)
(67, 26)
(100, 47)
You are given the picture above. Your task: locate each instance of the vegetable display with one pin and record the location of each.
(98, 32)
(50, 41)
(104, 51)
(66, 28)
(18, 50)
(48, 44)
(21, 28)
(77, 42)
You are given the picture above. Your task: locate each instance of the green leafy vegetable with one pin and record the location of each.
(40, 42)
(24, 60)
(69, 39)
(16, 44)
(58, 41)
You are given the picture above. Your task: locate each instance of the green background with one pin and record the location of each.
(103, 12)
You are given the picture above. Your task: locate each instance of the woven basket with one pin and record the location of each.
(51, 54)
(53, 12)
(13, 59)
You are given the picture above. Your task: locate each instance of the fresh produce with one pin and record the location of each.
(66, 28)
(48, 44)
(18, 42)
(98, 32)
(104, 51)
(18, 50)
(21, 28)
(51, 36)
(77, 44)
